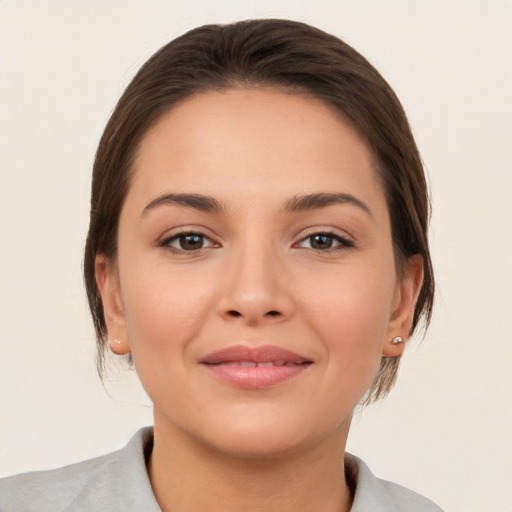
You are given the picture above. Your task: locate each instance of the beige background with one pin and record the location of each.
(446, 429)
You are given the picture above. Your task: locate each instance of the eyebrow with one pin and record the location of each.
(307, 202)
(298, 203)
(197, 201)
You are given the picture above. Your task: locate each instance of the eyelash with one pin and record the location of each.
(342, 242)
(166, 242)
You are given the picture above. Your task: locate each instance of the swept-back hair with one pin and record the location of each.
(284, 55)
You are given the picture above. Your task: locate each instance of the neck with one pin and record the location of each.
(189, 476)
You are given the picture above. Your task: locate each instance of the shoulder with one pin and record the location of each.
(95, 484)
(372, 493)
(53, 489)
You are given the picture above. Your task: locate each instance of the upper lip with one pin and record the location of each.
(260, 354)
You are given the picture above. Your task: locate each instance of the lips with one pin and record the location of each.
(255, 367)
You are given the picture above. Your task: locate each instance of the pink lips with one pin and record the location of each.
(255, 367)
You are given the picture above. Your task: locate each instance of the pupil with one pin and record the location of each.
(189, 242)
(321, 242)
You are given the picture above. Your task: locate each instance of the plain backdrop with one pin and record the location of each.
(446, 430)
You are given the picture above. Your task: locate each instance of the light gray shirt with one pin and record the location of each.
(118, 482)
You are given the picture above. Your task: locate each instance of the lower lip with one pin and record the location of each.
(255, 377)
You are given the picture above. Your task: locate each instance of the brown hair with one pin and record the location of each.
(290, 56)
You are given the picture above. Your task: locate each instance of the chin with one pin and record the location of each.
(270, 437)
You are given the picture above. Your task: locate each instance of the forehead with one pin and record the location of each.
(253, 142)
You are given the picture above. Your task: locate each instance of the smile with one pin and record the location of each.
(248, 364)
(254, 367)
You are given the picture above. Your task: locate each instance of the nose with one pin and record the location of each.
(256, 289)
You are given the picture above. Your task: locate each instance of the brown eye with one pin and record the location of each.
(187, 242)
(191, 242)
(325, 242)
(321, 241)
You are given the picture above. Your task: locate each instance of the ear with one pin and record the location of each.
(107, 282)
(404, 302)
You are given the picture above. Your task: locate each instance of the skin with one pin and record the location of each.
(256, 277)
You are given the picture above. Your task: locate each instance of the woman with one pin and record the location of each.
(258, 247)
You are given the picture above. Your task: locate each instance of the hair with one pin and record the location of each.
(284, 55)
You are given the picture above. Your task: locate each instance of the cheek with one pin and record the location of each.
(164, 309)
(353, 305)
(351, 314)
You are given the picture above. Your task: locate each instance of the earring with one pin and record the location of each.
(117, 342)
(397, 340)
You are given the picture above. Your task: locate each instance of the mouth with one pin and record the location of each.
(255, 367)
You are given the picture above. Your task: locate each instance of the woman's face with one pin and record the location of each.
(255, 282)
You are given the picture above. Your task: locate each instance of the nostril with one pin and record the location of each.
(233, 312)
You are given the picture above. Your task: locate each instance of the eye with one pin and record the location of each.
(325, 242)
(187, 242)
